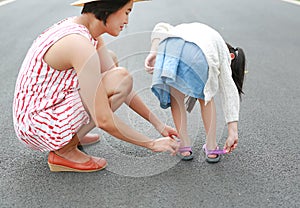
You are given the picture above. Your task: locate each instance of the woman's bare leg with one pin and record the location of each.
(72, 153)
(180, 118)
(208, 113)
(118, 84)
(85, 129)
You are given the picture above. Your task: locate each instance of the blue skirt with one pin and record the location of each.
(181, 65)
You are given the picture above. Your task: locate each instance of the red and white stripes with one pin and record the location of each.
(47, 108)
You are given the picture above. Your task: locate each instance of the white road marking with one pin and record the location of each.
(292, 1)
(2, 3)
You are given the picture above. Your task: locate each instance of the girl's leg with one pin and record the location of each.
(208, 113)
(180, 118)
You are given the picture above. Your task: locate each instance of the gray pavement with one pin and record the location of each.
(262, 172)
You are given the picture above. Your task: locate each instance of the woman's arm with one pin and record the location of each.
(134, 101)
(107, 58)
(85, 60)
(136, 104)
(113, 125)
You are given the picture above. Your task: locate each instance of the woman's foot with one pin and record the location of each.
(89, 139)
(58, 163)
(71, 152)
(74, 155)
(70, 158)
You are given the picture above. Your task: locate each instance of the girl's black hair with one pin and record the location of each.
(103, 8)
(238, 64)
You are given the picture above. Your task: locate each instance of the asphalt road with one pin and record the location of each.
(262, 172)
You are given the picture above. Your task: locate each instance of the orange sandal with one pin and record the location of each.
(57, 164)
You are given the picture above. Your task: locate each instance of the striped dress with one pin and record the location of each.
(47, 108)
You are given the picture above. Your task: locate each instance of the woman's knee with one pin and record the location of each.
(118, 79)
(125, 76)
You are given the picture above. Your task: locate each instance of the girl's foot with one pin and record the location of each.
(186, 153)
(213, 156)
(211, 147)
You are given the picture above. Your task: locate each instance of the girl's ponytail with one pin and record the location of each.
(238, 64)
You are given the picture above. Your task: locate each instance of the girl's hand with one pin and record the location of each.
(149, 62)
(165, 144)
(232, 139)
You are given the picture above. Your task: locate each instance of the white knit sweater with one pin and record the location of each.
(218, 59)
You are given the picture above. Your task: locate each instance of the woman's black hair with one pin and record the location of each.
(238, 64)
(103, 8)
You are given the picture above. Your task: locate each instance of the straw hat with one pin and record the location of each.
(82, 2)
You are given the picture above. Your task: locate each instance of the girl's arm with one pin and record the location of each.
(150, 59)
(232, 139)
(160, 32)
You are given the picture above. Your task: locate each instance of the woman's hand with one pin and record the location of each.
(232, 139)
(150, 62)
(165, 144)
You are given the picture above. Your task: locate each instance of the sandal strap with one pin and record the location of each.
(217, 151)
(185, 149)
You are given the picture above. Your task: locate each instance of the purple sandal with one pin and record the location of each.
(185, 149)
(217, 152)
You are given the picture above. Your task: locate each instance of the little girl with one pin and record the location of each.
(193, 60)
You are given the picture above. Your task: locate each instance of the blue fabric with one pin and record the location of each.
(181, 65)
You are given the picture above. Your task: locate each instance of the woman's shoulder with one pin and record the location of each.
(63, 28)
(67, 24)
